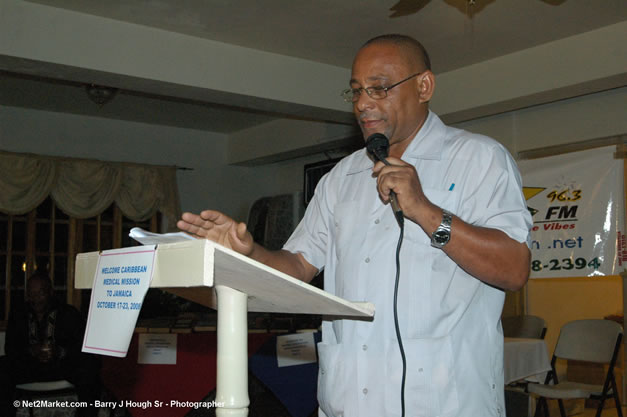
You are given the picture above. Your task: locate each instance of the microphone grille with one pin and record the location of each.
(378, 145)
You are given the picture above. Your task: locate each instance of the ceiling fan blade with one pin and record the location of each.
(553, 2)
(407, 7)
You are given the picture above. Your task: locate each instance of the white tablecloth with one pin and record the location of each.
(524, 359)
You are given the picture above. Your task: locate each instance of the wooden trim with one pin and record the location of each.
(80, 230)
(624, 188)
(619, 141)
(51, 242)
(7, 272)
(154, 223)
(73, 295)
(99, 232)
(117, 227)
(623, 275)
(621, 151)
(31, 237)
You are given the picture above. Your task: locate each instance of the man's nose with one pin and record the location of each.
(364, 102)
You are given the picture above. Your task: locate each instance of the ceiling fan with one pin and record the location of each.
(470, 7)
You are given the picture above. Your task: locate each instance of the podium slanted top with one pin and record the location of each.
(192, 268)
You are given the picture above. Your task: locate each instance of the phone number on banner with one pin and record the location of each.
(565, 264)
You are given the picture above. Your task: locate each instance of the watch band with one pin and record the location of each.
(442, 235)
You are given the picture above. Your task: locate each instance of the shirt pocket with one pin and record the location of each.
(331, 386)
(430, 387)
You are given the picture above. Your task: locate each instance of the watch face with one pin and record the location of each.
(441, 236)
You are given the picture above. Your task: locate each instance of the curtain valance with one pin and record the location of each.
(85, 188)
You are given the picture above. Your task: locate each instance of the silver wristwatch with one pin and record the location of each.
(442, 234)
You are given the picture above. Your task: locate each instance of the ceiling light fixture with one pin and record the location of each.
(100, 94)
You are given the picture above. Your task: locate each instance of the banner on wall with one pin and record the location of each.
(577, 204)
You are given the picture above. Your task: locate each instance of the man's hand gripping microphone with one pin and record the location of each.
(378, 146)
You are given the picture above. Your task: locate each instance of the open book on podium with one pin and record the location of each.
(193, 268)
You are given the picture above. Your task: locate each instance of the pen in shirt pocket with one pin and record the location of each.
(451, 187)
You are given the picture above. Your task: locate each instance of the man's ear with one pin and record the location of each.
(426, 86)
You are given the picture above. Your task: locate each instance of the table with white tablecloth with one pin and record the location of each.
(525, 359)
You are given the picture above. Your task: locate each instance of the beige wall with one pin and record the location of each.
(578, 119)
(559, 300)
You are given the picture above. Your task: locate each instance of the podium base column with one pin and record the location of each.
(232, 373)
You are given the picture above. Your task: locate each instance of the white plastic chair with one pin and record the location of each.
(595, 341)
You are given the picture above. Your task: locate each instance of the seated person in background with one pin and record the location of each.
(43, 343)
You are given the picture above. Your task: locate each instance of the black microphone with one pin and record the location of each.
(378, 146)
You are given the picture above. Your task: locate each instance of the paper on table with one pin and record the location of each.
(148, 238)
(157, 349)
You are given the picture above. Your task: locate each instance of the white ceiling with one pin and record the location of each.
(325, 31)
(330, 31)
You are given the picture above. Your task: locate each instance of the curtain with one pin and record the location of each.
(85, 188)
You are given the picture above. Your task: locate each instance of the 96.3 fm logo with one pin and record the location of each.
(559, 210)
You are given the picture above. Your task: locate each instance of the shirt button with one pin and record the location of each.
(365, 391)
(420, 370)
(364, 347)
(367, 260)
(376, 221)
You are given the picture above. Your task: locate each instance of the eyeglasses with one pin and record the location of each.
(352, 95)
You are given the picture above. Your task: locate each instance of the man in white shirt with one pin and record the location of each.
(466, 227)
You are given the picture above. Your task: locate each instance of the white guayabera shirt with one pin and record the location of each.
(449, 320)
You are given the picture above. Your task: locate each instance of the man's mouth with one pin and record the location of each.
(370, 123)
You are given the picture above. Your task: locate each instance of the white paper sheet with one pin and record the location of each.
(295, 349)
(149, 238)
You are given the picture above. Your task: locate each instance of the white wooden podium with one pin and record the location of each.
(212, 275)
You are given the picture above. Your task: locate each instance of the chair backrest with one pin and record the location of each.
(588, 340)
(532, 327)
